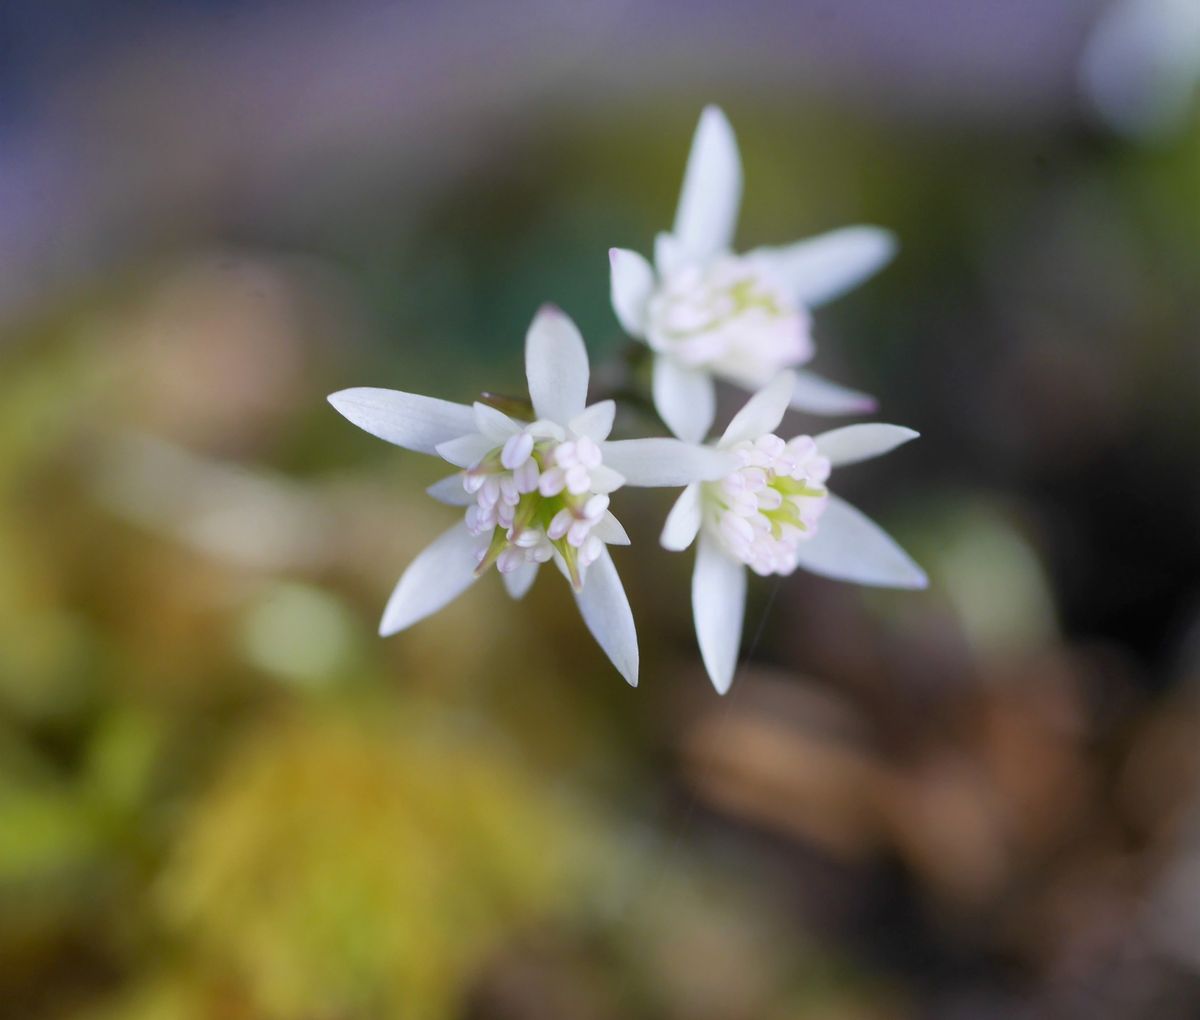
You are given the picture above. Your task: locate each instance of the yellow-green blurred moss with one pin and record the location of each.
(366, 869)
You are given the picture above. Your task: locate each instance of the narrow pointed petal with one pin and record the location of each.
(442, 572)
(653, 463)
(849, 546)
(610, 531)
(466, 451)
(763, 412)
(683, 522)
(496, 425)
(596, 422)
(631, 284)
(825, 267)
(817, 395)
(450, 491)
(605, 610)
(556, 365)
(606, 480)
(706, 217)
(519, 581)
(406, 419)
(685, 398)
(853, 443)
(718, 605)
(668, 253)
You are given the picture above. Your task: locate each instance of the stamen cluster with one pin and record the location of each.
(536, 494)
(731, 313)
(771, 503)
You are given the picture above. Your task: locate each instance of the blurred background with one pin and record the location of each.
(222, 796)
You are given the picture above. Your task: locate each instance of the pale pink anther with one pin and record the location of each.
(552, 482)
(588, 453)
(595, 506)
(560, 524)
(516, 450)
(526, 476)
(590, 551)
(578, 480)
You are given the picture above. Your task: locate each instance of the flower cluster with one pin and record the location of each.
(774, 513)
(538, 490)
(708, 313)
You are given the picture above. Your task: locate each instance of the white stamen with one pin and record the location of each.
(509, 560)
(595, 506)
(560, 524)
(588, 453)
(578, 532)
(578, 480)
(526, 476)
(590, 551)
(552, 482)
(516, 450)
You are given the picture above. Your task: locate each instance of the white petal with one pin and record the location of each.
(605, 610)
(494, 424)
(543, 429)
(822, 268)
(596, 422)
(668, 253)
(763, 412)
(610, 531)
(406, 419)
(631, 284)
(562, 566)
(519, 581)
(853, 443)
(683, 521)
(818, 395)
(849, 546)
(605, 479)
(442, 572)
(718, 605)
(556, 365)
(657, 463)
(450, 491)
(712, 189)
(466, 451)
(685, 398)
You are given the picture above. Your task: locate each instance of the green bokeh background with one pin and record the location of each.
(222, 796)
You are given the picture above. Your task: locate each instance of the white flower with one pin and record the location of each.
(774, 513)
(707, 312)
(533, 491)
